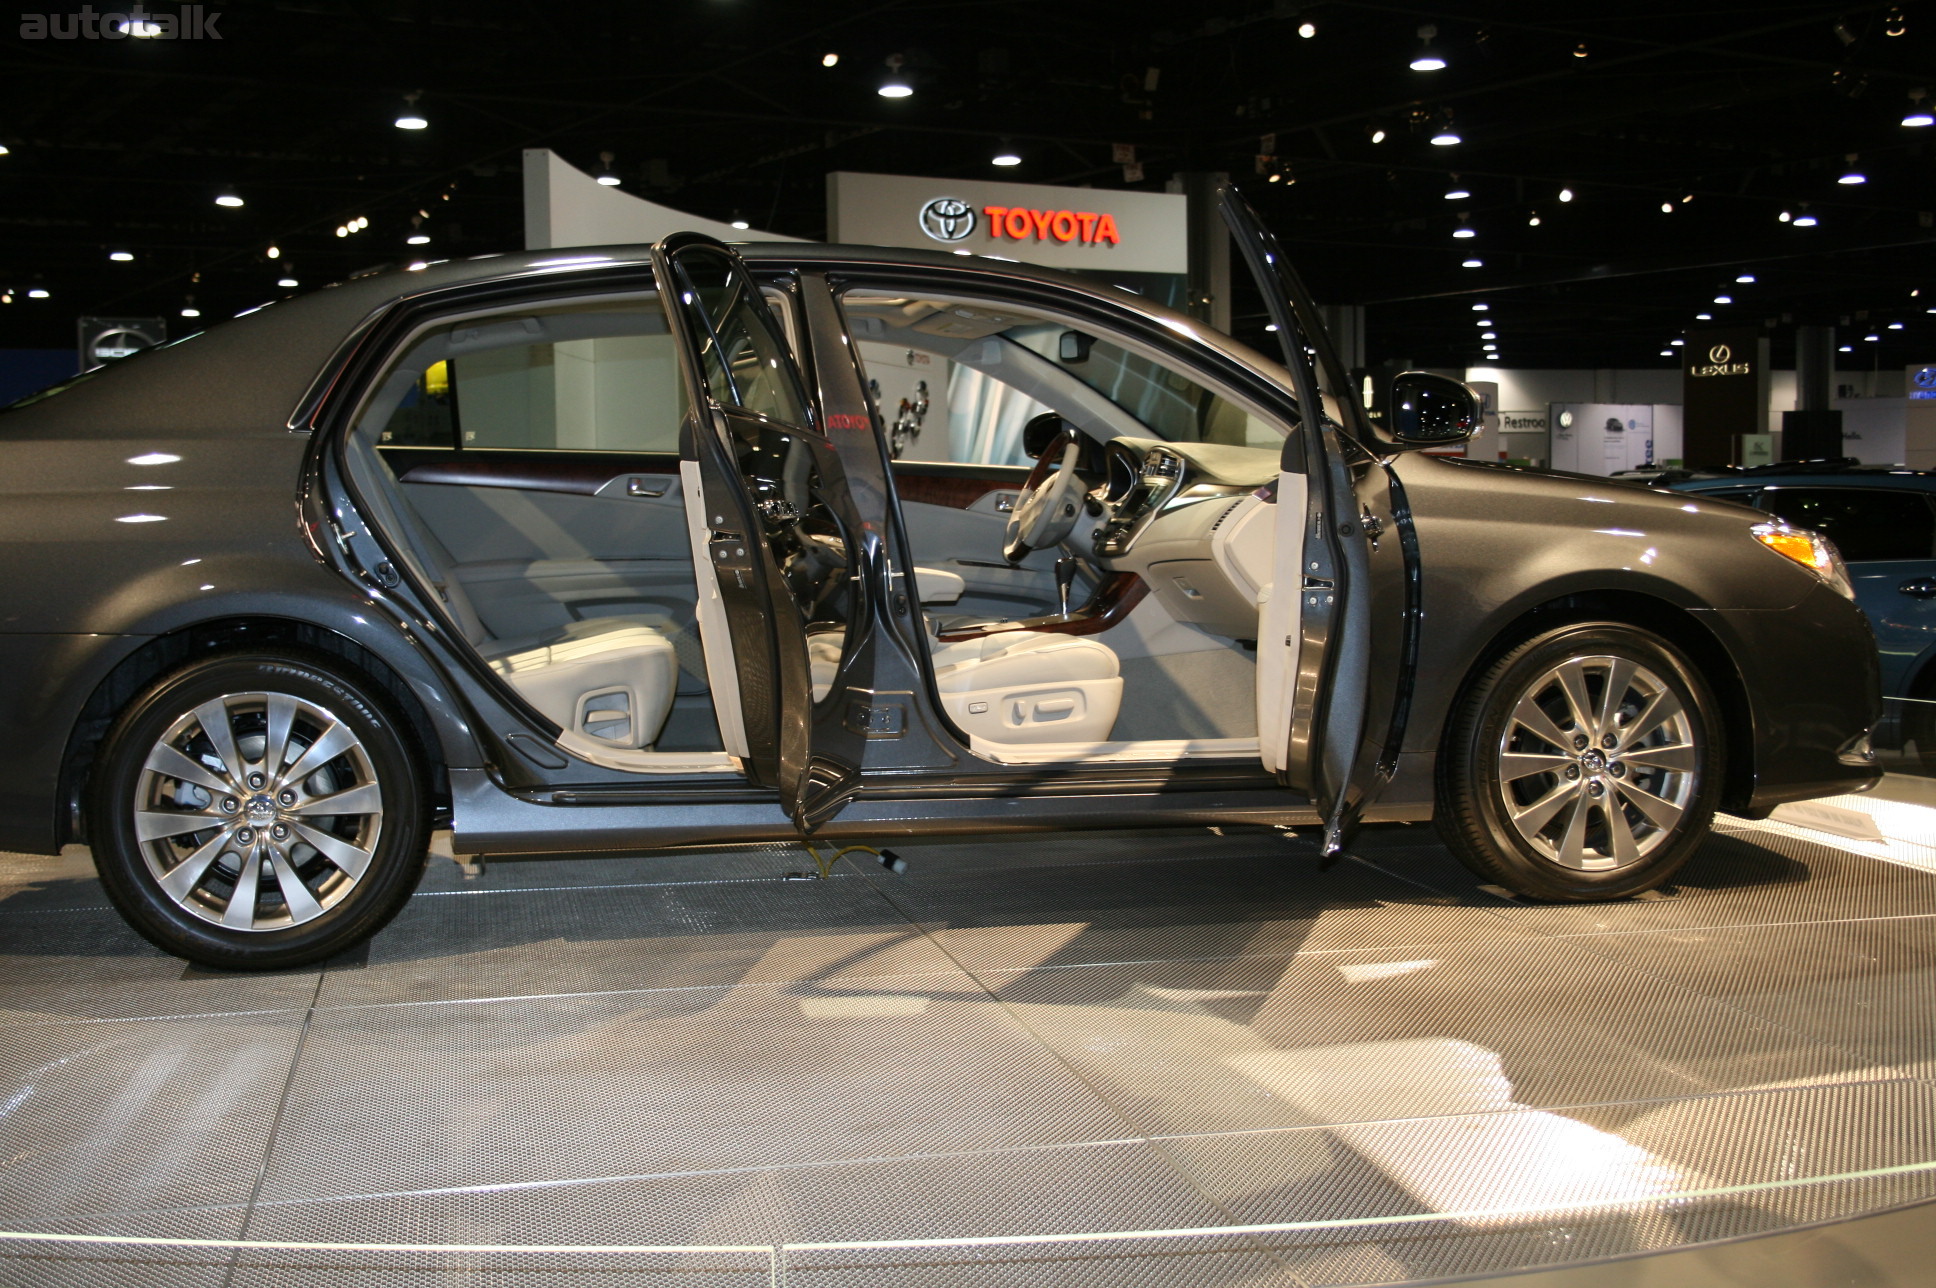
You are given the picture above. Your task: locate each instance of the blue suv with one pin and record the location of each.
(1883, 520)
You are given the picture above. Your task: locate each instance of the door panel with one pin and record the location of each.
(955, 517)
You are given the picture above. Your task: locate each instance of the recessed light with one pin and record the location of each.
(228, 199)
(1464, 232)
(1473, 263)
(830, 60)
(1480, 307)
(1724, 299)
(121, 256)
(1746, 278)
(287, 282)
(741, 224)
(417, 239)
(1704, 317)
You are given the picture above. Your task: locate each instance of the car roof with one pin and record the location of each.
(1884, 476)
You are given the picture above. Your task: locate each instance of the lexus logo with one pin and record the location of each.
(1719, 354)
(948, 219)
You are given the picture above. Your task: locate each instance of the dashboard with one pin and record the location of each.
(1147, 480)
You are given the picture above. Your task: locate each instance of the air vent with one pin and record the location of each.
(1162, 464)
(1227, 512)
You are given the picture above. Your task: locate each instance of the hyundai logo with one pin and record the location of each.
(1926, 377)
(948, 219)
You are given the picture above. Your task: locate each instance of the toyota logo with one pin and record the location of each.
(1719, 354)
(947, 219)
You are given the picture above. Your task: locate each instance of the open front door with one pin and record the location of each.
(1345, 648)
(756, 469)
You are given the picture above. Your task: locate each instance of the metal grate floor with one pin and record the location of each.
(680, 1069)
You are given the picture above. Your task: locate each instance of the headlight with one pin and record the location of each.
(1810, 549)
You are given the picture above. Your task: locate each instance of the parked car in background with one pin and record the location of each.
(1883, 521)
(609, 548)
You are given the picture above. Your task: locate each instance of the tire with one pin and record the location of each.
(184, 789)
(1553, 792)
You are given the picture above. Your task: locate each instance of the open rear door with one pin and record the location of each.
(1348, 643)
(755, 467)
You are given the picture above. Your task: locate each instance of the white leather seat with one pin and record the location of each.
(1012, 686)
(612, 680)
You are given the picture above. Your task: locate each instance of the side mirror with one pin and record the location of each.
(1432, 411)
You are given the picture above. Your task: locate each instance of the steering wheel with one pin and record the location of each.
(1052, 496)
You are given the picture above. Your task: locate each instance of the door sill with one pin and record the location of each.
(629, 761)
(1116, 753)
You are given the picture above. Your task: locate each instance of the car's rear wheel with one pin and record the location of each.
(1583, 764)
(255, 811)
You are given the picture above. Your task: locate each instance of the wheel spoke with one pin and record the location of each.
(1660, 708)
(302, 904)
(213, 716)
(281, 716)
(338, 851)
(1535, 816)
(240, 914)
(366, 799)
(1572, 846)
(1663, 814)
(155, 825)
(1572, 678)
(1515, 765)
(1680, 757)
(1529, 716)
(1619, 675)
(329, 744)
(1625, 850)
(168, 762)
(182, 879)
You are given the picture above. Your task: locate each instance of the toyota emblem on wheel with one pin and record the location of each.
(947, 219)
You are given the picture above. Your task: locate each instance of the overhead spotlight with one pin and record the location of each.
(1805, 220)
(1488, 335)
(226, 197)
(1747, 278)
(1006, 155)
(1895, 326)
(1492, 357)
(1532, 220)
(830, 60)
(1917, 115)
(1895, 24)
(5, 150)
(417, 239)
(1785, 217)
(415, 266)
(1704, 317)
(189, 310)
(342, 230)
(1427, 59)
(1677, 343)
(1666, 353)
(1307, 29)
(1462, 232)
(1472, 263)
(1847, 348)
(1872, 337)
(895, 85)
(1724, 299)
(1852, 175)
(1458, 191)
(1490, 348)
(1446, 136)
(274, 251)
(741, 224)
(605, 175)
(121, 256)
(1377, 134)
(287, 283)
(1481, 307)
(38, 293)
(410, 118)
(1580, 50)
(359, 223)
(1566, 194)
(1666, 207)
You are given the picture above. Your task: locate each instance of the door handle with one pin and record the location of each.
(1920, 587)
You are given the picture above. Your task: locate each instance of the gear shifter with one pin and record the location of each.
(1065, 577)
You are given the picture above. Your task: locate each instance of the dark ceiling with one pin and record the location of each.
(1728, 114)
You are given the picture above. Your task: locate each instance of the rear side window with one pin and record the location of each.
(1864, 523)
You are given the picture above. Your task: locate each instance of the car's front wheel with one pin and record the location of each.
(1583, 764)
(255, 811)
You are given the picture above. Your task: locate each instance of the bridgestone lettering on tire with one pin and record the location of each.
(256, 811)
(1584, 764)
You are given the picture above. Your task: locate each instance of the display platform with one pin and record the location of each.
(1079, 1059)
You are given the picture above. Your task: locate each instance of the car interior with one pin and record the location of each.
(525, 466)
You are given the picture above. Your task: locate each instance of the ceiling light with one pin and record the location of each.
(1847, 348)
(1427, 59)
(38, 293)
(415, 266)
(1580, 50)
(1483, 321)
(1488, 335)
(1490, 348)
(1480, 308)
(287, 283)
(1677, 343)
(830, 60)
(410, 118)
(1532, 221)
(1666, 353)
(1872, 337)
(1704, 317)
(1492, 357)
(1377, 135)
(1270, 326)
(895, 84)
(5, 150)
(1724, 299)
(227, 197)
(1006, 155)
(360, 223)
(1666, 207)
(605, 175)
(1463, 231)
(1456, 192)
(741, 224)
(1473, 263)
(1806, 220)
(417, 239)
(1917, 114)
(1852, 176)
(140, 28)
(274, 251)
(1745, 277)
(1895, 326)
(190, 311)
(121, 256)
(1307, 29)
(1566, 194)
(342, 230)
(1446, 137)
